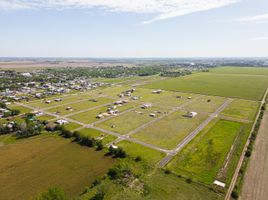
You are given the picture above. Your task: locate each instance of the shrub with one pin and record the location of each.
(235, 194)
(167, 171)
(53, 193)
(138, 159)
(189, 180)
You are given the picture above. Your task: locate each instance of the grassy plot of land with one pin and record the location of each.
(169, 131)
(22, 109)
(31, 166)
(166, 98)
(147, 154)
(247, 87)
(241, 109)
(88, 132)
(204, 156)
(131, 120)
(240, 70)
(71, 126)
(76, 107)
(45, 117)
(65, 99)
(205, 104)
(90, 116)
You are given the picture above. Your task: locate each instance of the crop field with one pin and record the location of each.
(203, 158)
(241, 109)
(234, 85)
(241, 70)
(170, 130)
(40, 162)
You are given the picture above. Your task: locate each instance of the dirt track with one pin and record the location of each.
(256, 180)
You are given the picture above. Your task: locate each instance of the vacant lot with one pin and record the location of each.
(241, 109)
(22, 109)
(76, 107)
(203, 157)
(256, 178)
(31, 166)
(90, 116)
(247, 87)
(149, 155)
(131, 120)
(170, 130)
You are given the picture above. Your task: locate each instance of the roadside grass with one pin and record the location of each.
(204, 156)
(76, 107)
(234, 85)
(90, 116)
(131, 120)
(22, 109)
(169, 131)
(207, 104)
(240, 70)
(241, 109)
(31, 166)
(151, 156)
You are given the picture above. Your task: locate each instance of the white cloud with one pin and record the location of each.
(256, 18)
(259, 38)
(163, 9)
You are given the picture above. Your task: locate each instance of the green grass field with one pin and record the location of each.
(169, 131)
(241, 109)
(152, 157)
(204, 156)
(241, 70)
(22, 109)
(30, 166)
(131, 120)
(76, 107)
(235, 85)
(90, 116)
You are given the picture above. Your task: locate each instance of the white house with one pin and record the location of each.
(61, 122)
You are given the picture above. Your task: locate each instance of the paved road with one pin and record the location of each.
(189, 137)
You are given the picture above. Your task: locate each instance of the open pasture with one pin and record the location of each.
(204, 156)
(44, 161)
(76, 107)
(171, 130)
(131, 120)
(91, 115)
(241, 109)
(235, 85)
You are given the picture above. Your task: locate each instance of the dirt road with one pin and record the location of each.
(256, 179)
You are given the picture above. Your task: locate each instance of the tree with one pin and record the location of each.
(53, 193)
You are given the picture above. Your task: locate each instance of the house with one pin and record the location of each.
(99, 116)
(157, 91)
(61, 122)
(147, 105)
(58, 99)
(69, 108)
(189, 98)
(113, 146)
(190, 114)
(47, 101)
(152, 115)
(38, 113)
(218, 183)
(134, 98)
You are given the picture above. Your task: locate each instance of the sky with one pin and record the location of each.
(133, 28)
